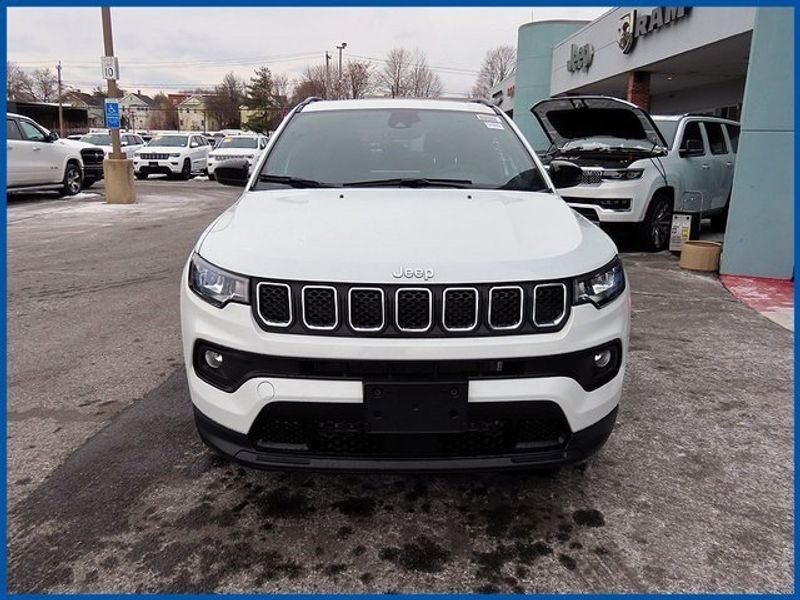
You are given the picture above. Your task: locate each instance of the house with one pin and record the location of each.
(136, 109)
(193, 115)
(93, 105)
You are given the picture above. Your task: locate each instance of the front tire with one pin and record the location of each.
(654, 231)
(87, 183)
(186, 171)
(720, 219)
(141, 176)
(73, 181)
(211, 177)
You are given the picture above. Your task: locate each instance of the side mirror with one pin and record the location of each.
(692, 148)
(123, 143)
(235, 172)
(565, 174)
(51, 137)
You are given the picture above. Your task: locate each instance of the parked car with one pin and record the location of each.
(399, 286)
(248, 146)
(130, 142)
(38, 160)
(638, 168)
(174, 155)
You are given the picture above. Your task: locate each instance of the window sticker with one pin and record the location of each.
(489, 118)
(491, 125)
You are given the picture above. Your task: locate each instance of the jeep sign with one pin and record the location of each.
(580, 57)
(632, 26)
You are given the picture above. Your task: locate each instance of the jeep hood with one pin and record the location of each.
(598, 122)
(364, 235)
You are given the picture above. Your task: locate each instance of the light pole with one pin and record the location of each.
(340, 47)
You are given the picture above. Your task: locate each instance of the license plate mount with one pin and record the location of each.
(410, 407)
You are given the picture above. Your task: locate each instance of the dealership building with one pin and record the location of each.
(731, 62)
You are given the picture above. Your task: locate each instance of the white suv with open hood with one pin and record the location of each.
(400, 287)
(638, 168)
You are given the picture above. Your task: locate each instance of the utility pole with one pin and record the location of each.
(60, 103)
(113, 90)
(117, 169)
(340, 47)
(327, 73)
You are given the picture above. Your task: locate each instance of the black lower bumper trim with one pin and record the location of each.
(237, 446)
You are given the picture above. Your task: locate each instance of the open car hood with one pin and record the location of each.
(601, 120)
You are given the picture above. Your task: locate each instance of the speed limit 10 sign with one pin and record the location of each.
(110, 66)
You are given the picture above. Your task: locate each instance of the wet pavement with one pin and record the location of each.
(111, 490)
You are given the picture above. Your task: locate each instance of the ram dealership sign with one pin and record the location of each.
(633, 25)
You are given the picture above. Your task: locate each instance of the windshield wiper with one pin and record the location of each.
(411, 182)
(297, 182)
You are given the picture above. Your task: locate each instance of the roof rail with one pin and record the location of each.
(307, 101)
(485, 102)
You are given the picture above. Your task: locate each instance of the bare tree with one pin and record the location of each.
(394, 75)
(311, 83)
(224, 103)
(498, 64)
(407, 73)
(423, 83)
(19, 85)
(44, 85)
(357, 79)
(163, 113)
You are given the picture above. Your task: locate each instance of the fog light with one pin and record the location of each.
(601, 359)
(214, 359)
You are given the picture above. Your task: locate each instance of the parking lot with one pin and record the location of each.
(111, 490)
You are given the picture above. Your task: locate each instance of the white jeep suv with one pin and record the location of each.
(172, 154)
(638, 168)
(400, 287)
(247, 146)
(36, 159)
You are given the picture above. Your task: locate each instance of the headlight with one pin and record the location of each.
(217, 286)
(174, 154)
(617, 174)
(601, 286)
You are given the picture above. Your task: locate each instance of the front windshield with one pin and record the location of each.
(396, 146)
(668, 128)
(98, 139)
(169, 141)
(238, 142)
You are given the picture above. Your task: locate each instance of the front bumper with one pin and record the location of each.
(94, 172)
(168, 166)
(610, 201)
(213, 162)
(227, 418)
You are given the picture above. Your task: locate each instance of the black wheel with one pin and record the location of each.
(73, 180)
(211, 177)
(205, 172)
(87, 183)
(654, 231)
(720, 219)
(186, 171)
(141, 175)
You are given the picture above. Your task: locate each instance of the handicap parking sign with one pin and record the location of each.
(112, 114)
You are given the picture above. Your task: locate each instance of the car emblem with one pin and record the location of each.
(423, 273)
(625, 27)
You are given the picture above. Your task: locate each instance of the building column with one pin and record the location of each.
(759, 240)
(639, 89)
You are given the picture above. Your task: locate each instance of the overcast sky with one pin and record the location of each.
(175, 48)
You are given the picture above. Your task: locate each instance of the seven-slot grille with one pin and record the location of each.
(429, 311)
(154, 156)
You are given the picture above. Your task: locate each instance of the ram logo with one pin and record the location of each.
(625, 32)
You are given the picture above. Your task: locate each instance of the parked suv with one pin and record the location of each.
(400, 286)
(129, 142)
(638, 168)
(173, 154)
(248, 146)
(38, 160)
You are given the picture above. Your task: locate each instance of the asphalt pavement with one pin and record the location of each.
(110, 489)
